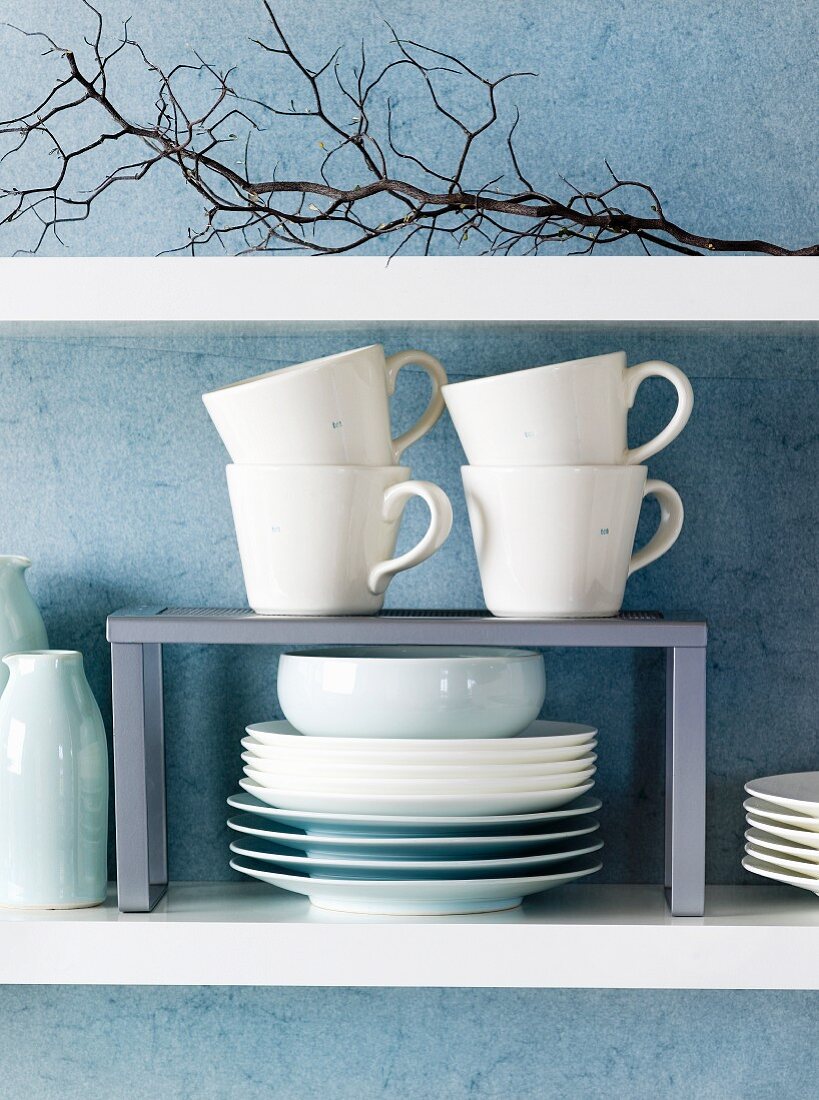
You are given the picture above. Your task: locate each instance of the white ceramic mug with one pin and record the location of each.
(556, 541)
(318, 540)
(332, 412)
(566, 414)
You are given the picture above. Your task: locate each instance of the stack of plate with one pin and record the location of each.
(417, 826)
(783, 834)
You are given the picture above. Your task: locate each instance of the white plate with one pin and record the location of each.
(760, 808)
(434, 786)
(413, 847)
(339, 767)
(424, 805)
(513, 757)
(799, 836)
(540, 735)
(760, 839)
(798, 791)
(389, 825)
(419, 897)
(343, 867)
(766, 870)
(810, 870)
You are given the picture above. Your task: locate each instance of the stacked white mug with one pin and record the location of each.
(315, 486)
(553, 491)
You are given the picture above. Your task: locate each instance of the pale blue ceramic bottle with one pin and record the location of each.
(53, 785)
(21, 626)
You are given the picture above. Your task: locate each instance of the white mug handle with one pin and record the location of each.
(433, 411)
(634, 376)
(440, 524)
(672, 514)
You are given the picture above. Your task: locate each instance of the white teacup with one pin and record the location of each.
(318, 540)
(556, 541)
(566, 414)
(332, 412)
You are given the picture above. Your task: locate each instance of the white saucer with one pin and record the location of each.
(766, 870)
(798, 791)
(760, 839)
(335, 866)
(809, 870)
(762, 808)
(384, 825)
(413, 847)
(540, 735)
(423, 805)
(419, 897)
(803, 837)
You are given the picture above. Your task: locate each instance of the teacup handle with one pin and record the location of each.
(440, 524)
(433, 411)
(634, 376)
(672, 514)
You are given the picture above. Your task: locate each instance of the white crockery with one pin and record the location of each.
(331, 412)
(419, 897)
(768, 870)
(338, 768)
(432, 786)
(760, 808)
(414, 692)
(318, 540)
(804, 837)
(413, 847)
(332, 866)
(564, 414)
(539, 737)
(352, 824)
(798, 791)
(760, 839)
(472, 804)
(801, 866)
(556, 542)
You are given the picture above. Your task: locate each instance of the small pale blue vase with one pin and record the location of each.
(21, 626)
(53, 785)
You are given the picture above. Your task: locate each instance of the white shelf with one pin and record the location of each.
(354, 288)
(753, 937)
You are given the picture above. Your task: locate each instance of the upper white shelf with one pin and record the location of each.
(752, 937)
(347, 288)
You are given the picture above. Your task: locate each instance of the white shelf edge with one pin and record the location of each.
(752, 937)
(571, 289)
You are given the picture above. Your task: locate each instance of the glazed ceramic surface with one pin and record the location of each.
(538, 738)
(413, 692)
(798, 791)
(478, 803)
(768, 870)
(53, 785)
(556, 542)
(332, 411)
(338, 768)
(769, 811)
(786, 860)
(336, 866)
(419, 897)
(432, 786)
(320, 823)
(319, 540)
(21, 625)
(760, 839)
(565, 414)
(802, 837)
(412, 847)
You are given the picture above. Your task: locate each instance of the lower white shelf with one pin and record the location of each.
(227, 933)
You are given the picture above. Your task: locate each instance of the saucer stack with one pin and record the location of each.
(480, 808)
(783, 834)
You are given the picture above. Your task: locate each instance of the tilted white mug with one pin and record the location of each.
(556, 541)
(565, 414)
(318, 540)
(333, 411)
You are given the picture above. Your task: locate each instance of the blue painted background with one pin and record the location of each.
(113, 483)
(709, 102)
